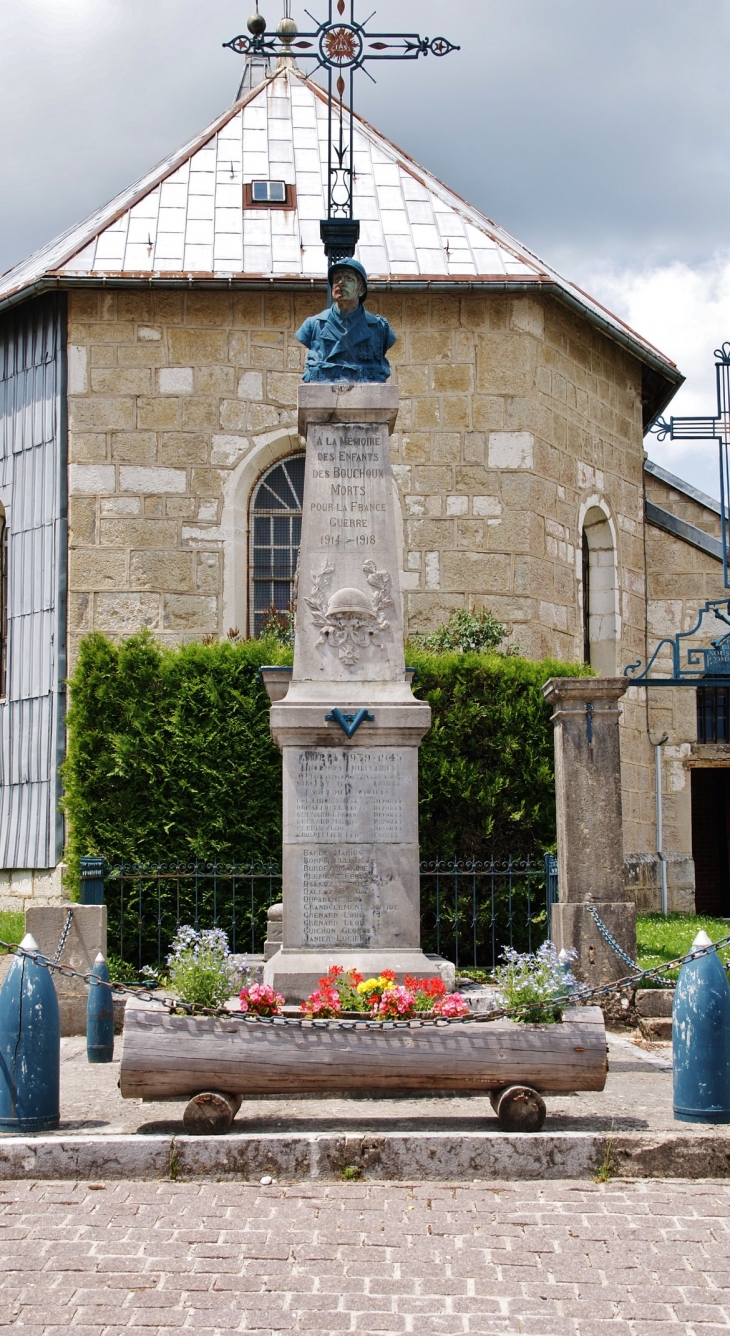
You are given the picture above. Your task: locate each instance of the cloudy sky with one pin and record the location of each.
(597, 131)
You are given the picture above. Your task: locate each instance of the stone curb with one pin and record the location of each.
(429, 1156)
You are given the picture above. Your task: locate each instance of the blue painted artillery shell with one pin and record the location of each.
(30, 1049)
(100, 1017)
(701, 1042)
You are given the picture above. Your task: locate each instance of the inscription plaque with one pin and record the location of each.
(344, 896)
(350, 793)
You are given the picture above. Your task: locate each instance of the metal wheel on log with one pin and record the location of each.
(210, 1114)
(519, 1108)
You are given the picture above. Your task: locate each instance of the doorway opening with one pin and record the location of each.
(710, 831)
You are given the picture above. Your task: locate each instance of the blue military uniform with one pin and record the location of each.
(347, 346)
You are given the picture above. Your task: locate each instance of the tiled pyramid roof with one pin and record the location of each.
(184, 220)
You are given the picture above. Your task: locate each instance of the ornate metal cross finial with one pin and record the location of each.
(341, 46)
(716, 428)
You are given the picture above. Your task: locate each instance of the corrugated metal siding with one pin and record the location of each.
(33, 491)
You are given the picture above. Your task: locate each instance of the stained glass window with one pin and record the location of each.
(275, 528)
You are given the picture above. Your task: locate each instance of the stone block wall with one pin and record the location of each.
(514, 412)
(517, 417)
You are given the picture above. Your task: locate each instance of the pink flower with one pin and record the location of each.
(260, 1000)
(451, 1007)
(323, 1002)
(396, 1003)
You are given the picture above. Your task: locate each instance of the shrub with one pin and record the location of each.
(201, 969)
(169, 753)
(464, 631)
(486, 773)
(533, 987)
(170, 759)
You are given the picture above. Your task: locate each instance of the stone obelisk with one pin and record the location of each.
(349, 726)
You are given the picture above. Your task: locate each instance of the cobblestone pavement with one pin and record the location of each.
(554, 1259)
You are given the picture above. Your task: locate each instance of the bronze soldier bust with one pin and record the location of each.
(347, 343)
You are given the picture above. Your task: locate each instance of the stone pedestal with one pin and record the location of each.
(589, 822)
(86, 938)
(349, 726)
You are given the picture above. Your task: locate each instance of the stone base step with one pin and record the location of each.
(395, 1156)
(656, 1028)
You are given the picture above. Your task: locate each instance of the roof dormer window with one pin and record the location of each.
(269, 195)
(268, 192)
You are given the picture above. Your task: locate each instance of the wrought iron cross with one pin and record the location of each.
(340, 46)
(716, 428)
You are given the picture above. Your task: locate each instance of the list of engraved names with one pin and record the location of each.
(341, 897)
(349, 795)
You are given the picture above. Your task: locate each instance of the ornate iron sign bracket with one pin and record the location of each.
(341, 46)
(696, 664)
(716, 428)
(693, 665)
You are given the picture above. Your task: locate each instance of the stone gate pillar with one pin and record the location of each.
(585, 717)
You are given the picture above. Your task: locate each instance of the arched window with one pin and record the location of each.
(3, 605)
(276, 529)
(600, 593)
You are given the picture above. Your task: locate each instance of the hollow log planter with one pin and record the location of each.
(211, 1058)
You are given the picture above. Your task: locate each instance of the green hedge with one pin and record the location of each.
(170, 756)
(486, 774)
(169, 753)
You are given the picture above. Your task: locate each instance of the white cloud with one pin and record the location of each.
(685, 311)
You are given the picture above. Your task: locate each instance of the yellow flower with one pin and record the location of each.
(385, 984)
(368, 985)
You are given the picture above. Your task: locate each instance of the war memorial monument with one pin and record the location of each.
(349, 726)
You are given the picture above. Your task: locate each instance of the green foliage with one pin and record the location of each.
(465, 631)
(12, 928)
(529, 984)
(278, 626)
(486, 776)
(660, 938)
(169, 753)
(120, 971)
(170, 760)
(200, 968)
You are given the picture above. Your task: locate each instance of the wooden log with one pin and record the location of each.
(164, 1055)
(519, 1108)
(211, 1113)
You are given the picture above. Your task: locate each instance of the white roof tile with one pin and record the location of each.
(188, 212)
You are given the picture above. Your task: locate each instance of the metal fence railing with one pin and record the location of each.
(470, 910)
(146, 904)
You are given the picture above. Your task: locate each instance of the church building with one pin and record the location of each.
(151, 472)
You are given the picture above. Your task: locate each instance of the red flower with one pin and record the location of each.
(434, 987)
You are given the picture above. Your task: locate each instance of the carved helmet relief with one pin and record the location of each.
(350, 620)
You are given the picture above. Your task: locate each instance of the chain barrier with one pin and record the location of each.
(583, 993)
(619, 951)
(63, 937)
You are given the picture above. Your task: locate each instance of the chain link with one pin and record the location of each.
(609, 937)
(63, 937)
(584, 993)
